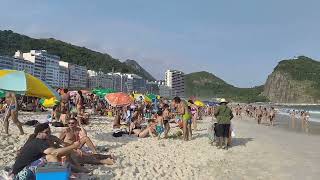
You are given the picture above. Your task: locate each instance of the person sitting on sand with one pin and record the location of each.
(74, 133)
(160, 124)
(12, 111)
(37, 151)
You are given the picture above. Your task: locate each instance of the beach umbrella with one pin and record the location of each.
(25, 84)
(140, 97)
(152, 96)
(48, 103)
(102, 92)
(2, 94)
(199, 103)
(118, 99)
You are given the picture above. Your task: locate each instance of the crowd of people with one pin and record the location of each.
(140, 119)
(73, 145)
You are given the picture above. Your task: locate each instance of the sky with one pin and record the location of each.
(240, 41)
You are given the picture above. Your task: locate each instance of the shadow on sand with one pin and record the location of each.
(240, 141)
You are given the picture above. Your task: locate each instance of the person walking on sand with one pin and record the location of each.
(223, 113)
(12, 111)
(272, 115)
(259, 114)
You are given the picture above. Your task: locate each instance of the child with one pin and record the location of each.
(159, 127)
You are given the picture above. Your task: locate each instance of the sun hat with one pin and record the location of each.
(223, 100)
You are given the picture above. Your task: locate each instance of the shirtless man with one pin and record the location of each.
(293, 118)
(12, 111)
(272, 115)
(259, 114)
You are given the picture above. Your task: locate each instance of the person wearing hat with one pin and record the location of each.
(224, 115)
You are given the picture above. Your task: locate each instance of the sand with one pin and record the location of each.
(258, 152)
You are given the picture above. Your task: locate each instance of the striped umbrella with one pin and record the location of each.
(25, 84)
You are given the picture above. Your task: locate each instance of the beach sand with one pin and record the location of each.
(258, 152)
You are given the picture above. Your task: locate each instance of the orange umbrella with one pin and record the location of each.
(118, 99)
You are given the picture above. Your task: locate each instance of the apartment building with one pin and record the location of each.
(175, 80)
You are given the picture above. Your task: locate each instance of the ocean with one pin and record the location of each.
(314, 110)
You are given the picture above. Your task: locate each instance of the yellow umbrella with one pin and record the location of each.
(49, 103)
(199, 103)
(139, 97)
(26, 84)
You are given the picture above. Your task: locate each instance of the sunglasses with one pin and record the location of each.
(47, 132)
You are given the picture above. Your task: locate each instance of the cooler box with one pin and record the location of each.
(53, 171)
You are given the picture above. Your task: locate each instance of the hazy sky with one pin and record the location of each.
(240, 41)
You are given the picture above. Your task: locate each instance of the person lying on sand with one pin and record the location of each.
(37, 151)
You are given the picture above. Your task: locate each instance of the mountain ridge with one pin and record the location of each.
(10, 42)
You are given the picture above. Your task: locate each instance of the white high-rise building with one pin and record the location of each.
(63, 75)
(6, 62)
(175, 80)
(46, 66)
(23, 65)
(77, 75)
(99, 80)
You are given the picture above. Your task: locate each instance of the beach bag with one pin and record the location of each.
(117, 134)
(57, 124)
(211, 132)
(31, 123)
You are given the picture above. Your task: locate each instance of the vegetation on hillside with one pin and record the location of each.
(206, 85)
(303, 69)
(11, 42)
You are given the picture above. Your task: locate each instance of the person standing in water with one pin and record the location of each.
(183, 110)
(293, 118)
(224, 115)
(12, 111)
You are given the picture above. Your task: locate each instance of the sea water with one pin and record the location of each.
(314, 110)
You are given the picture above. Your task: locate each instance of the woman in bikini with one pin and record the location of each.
(166, 117)
(194, 113)
(12, 111)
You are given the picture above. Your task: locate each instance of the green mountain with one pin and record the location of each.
(11, 42)
(294, 81)
(136, 66)
(206, 85)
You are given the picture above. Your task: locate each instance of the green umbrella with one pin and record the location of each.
(102, 92)
(2, 94)
(152, 96)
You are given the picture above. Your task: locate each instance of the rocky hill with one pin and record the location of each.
(206, 86)
(294, 81)
(11, 42)
(136, 66)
